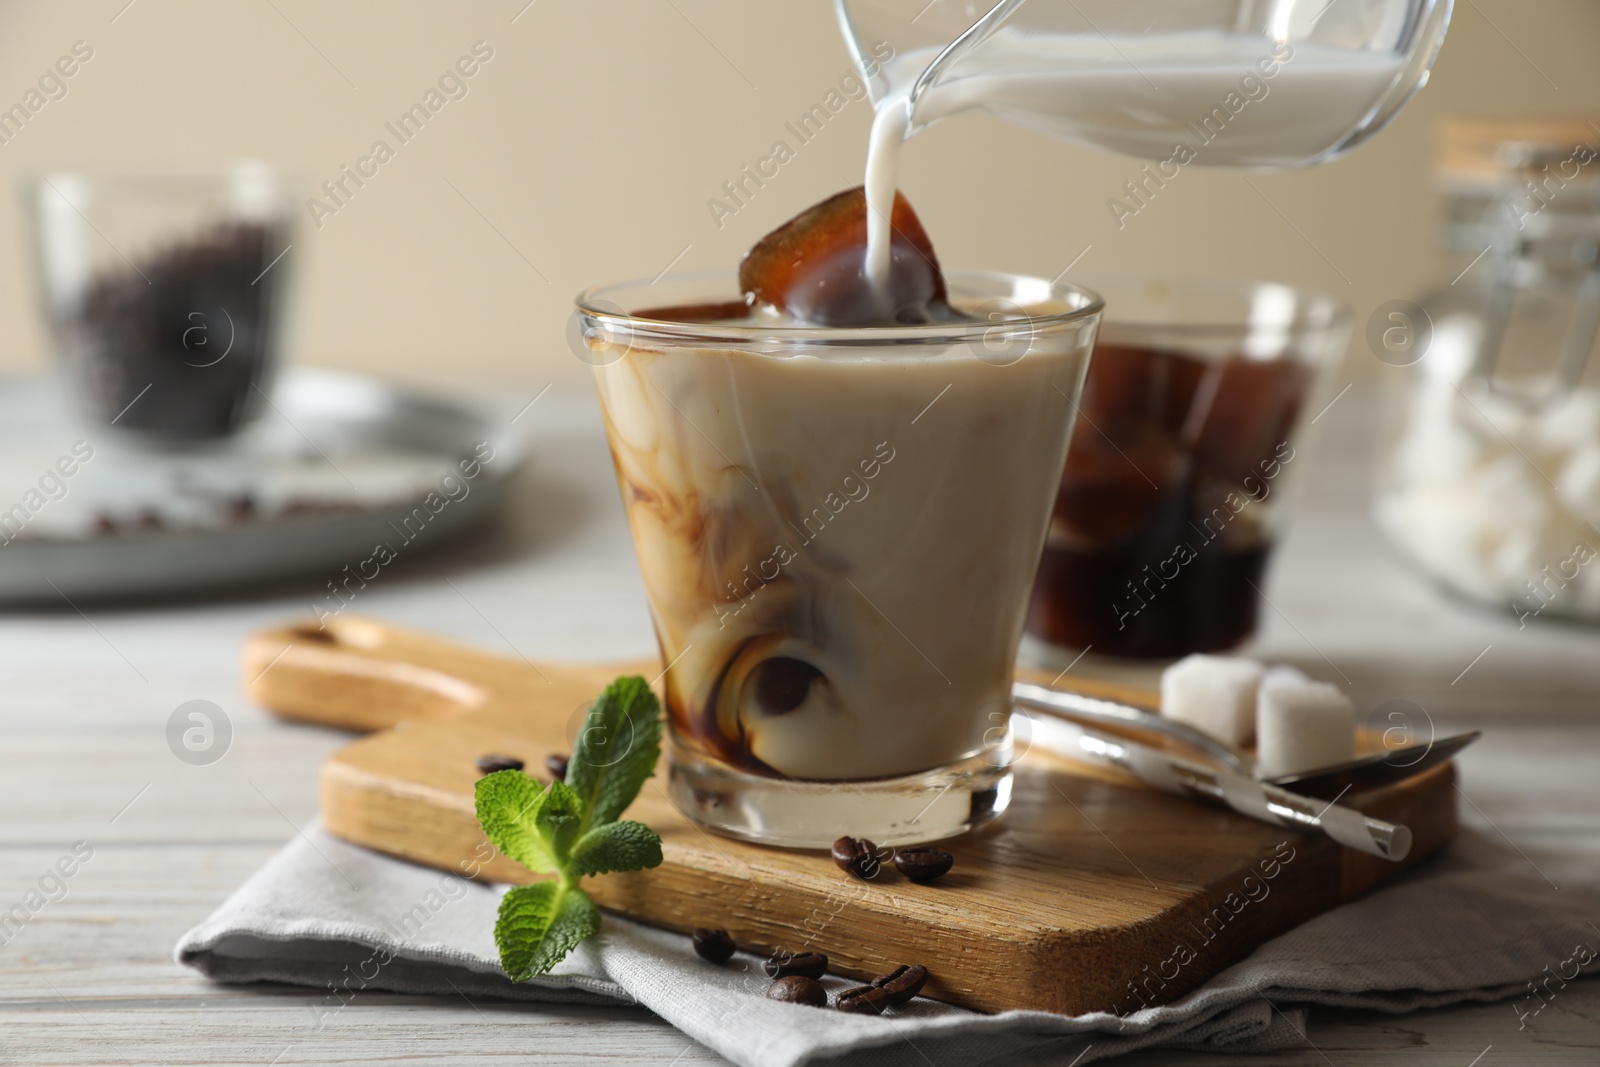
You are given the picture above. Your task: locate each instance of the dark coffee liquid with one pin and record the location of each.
(1209, 607)
(721, 311)
(1158, 542)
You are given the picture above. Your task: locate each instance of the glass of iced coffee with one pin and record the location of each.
(838, 527)
(1182, 466)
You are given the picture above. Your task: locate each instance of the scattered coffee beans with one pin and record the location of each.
(798, 989)
(857, 856)
(492, 762)
(806, 964)
(923, 864)
(556, 764)
(713, 945)
(886, 991)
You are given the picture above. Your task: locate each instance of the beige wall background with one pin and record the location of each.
(587, 147)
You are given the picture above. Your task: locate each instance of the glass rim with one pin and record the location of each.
(1314, 309)
(1089, 305)
(78, 185)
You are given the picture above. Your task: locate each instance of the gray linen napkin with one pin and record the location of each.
(1479, 923)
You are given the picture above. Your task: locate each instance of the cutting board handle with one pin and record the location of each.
(361, 674)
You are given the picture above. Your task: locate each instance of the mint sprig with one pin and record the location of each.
(571, 829)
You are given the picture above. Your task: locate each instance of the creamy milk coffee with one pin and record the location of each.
(838, 541)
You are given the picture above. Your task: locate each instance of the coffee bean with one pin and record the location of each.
(807, 964)
(857, 856)
(492, 762)
(902, 983)
(923, 864)
(886, 991)
(713, 945)
(798, 989)
(556, 764)
(862, 1000)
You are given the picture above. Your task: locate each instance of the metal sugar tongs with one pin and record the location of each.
(1298, 802)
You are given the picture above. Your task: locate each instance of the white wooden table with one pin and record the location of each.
(85, 699)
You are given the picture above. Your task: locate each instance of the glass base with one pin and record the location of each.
(927, 806)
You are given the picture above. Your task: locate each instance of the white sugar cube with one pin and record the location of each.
(1214, 694)
(1300, 727)
(1283, 674)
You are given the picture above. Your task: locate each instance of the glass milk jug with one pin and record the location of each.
(1251, 83)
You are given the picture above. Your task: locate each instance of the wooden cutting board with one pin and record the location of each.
(1093, 893)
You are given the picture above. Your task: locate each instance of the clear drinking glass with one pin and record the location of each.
(1254, 83)
(163, 294)
(837, 530)
(1181, 468)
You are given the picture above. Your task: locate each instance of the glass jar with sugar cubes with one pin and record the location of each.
(1489, 458)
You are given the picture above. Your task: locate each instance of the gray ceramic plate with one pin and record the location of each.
(337, 466)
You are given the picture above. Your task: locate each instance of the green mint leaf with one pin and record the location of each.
(558, 820)
(617, 846)
(570, 829)
(508, 804)
(539, 925)
(616, 750)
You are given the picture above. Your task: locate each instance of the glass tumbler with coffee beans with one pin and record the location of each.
(1175, 487)
(163, 295)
